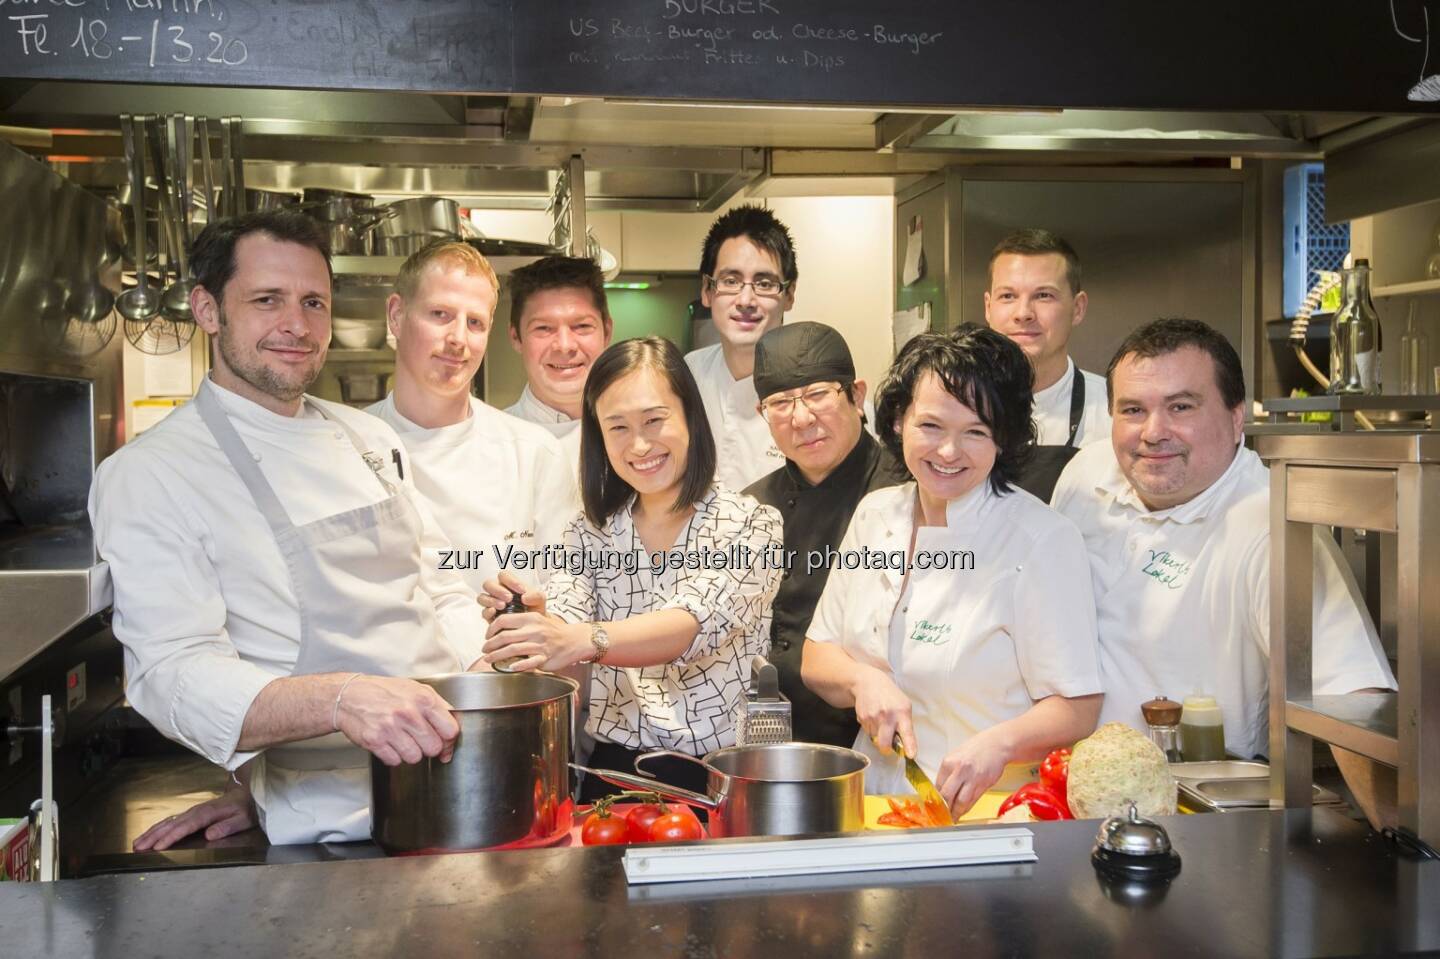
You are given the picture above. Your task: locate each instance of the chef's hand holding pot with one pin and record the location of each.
(398, 720)
(882, 710)
(539, 641)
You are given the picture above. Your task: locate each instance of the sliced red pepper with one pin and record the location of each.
(1055, 772)
(1043, 803)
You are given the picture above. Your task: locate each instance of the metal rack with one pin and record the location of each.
(1389, 483)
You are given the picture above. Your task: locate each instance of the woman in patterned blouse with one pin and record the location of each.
(668, 577)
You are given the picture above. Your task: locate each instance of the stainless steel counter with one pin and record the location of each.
(1264, 883)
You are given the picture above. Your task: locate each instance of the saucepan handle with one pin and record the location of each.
(631, 781)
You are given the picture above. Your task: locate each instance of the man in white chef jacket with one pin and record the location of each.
(267, 556)
(1175, 512)
(559, 323)
(497, 486)
(1036, 299)
(748, 277)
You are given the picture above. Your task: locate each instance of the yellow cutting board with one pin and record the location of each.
(986, 808)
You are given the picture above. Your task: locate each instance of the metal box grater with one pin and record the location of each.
(763, 716)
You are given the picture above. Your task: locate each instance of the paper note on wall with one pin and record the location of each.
(907, 323)
(169, 374)
(914, 267)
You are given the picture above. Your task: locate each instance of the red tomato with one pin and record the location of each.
(676, 827)
(641, 817)
(1055, 771)
(604, 830)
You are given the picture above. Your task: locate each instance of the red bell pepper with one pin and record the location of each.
(1043, 803)
(1055, 772)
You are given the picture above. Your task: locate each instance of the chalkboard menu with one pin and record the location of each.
(324, 44)
(1273, 55)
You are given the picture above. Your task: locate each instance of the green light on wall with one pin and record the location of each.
(629, 285)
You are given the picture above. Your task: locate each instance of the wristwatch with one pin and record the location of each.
(600, 640)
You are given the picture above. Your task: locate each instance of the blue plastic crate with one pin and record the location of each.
(1311, 244)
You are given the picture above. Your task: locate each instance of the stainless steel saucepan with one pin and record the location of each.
(775, 789)
(508, 783)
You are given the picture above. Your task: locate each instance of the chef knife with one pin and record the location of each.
(930, 797)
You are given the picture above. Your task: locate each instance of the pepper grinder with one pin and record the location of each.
(1163, 717)
(514, 606)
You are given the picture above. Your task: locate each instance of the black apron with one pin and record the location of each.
(1043, 469)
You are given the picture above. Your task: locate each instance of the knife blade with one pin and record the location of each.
(930, 797)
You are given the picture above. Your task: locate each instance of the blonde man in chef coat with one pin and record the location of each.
(1036, 299)
(267, 556)
(1175, 513)
(747, 280)
(498, 486)
(559, 323)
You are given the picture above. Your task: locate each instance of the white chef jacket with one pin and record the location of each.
(491, 482)
(203, 601)
(1052, 410)
(744, 449)
(1183, 596)
(970, 647)
(559, 425)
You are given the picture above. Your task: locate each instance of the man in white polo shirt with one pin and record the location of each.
(747, 280)
(1035, 298)
(559, 323)
(1176, 519)
(492, 481)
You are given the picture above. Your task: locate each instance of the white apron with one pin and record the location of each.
(355, 576)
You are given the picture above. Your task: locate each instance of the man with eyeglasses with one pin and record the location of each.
(813, 405)
(748, 277)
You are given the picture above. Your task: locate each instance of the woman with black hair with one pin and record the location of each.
(668, 580)
(959, 614)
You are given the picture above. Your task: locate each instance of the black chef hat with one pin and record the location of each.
(798, 354)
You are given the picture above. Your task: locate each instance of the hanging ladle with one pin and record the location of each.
(175, 301)
(138, 303)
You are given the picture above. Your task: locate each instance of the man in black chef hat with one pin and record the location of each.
(813, 404)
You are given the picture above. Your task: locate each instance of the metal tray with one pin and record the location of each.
(1233, 784)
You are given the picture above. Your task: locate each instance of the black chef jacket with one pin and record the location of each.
(816, 517)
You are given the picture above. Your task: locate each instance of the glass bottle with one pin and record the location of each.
(1415, 367)
(1355, 336)
(1202, 730)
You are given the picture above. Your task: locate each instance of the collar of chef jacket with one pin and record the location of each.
(1117, 487)
(961, 514)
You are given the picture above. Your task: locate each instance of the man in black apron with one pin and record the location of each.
(1035, 298)
(805, 381)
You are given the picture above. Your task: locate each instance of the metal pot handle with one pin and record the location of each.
(631, 781)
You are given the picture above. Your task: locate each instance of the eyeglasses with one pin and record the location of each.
(819, 401)
(731, 285)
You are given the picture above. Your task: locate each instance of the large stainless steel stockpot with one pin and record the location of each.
(774, 789)
(508, 783)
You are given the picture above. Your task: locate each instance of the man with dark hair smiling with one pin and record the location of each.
(747, 280)
(287, 550)
(559, 323)
(1175, 512)
(809, 396)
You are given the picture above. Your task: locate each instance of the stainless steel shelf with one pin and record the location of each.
(1415, 288)
(1326, 403)
(1364, 723)
(382, 354)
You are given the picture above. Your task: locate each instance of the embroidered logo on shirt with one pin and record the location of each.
(1166, 569)
(931, 634)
